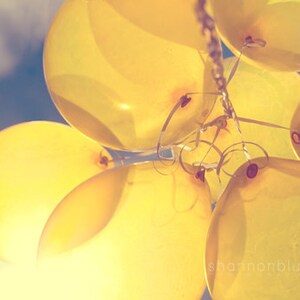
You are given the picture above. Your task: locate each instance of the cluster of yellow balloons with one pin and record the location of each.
(136, 76)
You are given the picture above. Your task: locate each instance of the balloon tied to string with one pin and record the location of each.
(203, 165)
(251, 173)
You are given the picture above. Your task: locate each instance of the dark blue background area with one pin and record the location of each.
(23, 94)
(226, 51)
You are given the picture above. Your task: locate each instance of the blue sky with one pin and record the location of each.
(23, 93)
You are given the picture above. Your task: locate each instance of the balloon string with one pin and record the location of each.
(216, 55)
(262, 123)
(182, 102)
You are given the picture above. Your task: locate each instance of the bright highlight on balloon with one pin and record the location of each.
(253, 239)
(116, 82)
(266, 32)
(147, 245)
(40, 162)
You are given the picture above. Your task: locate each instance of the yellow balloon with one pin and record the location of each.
(117, 83)
(273, 23)
(173, 20)
(252, 249)
(295, 131)
(261, 96)
(270, 97)
(150, 234)
(40, 162)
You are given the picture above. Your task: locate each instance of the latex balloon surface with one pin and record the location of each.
(40, 162)
(265, 98)
(253, 239)
(272, 23)
(117, 82)
(150, 234)
(163, 17)
(258, 96)
(46, 282)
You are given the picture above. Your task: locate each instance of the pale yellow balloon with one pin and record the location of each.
(273, 22)
(258, 95)
(40, 162)
(117, 83)
(36, 283)
(270, 97)
(151, 231)
(252, 249)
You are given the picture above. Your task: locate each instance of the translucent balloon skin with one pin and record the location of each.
(259, 95)
(152, 245)
(27, 282)
(275, 22)
(252, 247)
(271, 97)
(117, 83)
(162, 17)
(84, 212)
(40, 162)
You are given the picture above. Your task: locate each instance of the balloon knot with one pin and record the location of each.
(185, 100)
(104, 160)
(296, 137)
(252, 171)
(201, 174)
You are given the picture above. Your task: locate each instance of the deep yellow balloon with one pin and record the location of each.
(252, 249)
(116, 82)
(149, 243)
(40, 162)
(274, 22)
(258, 95)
